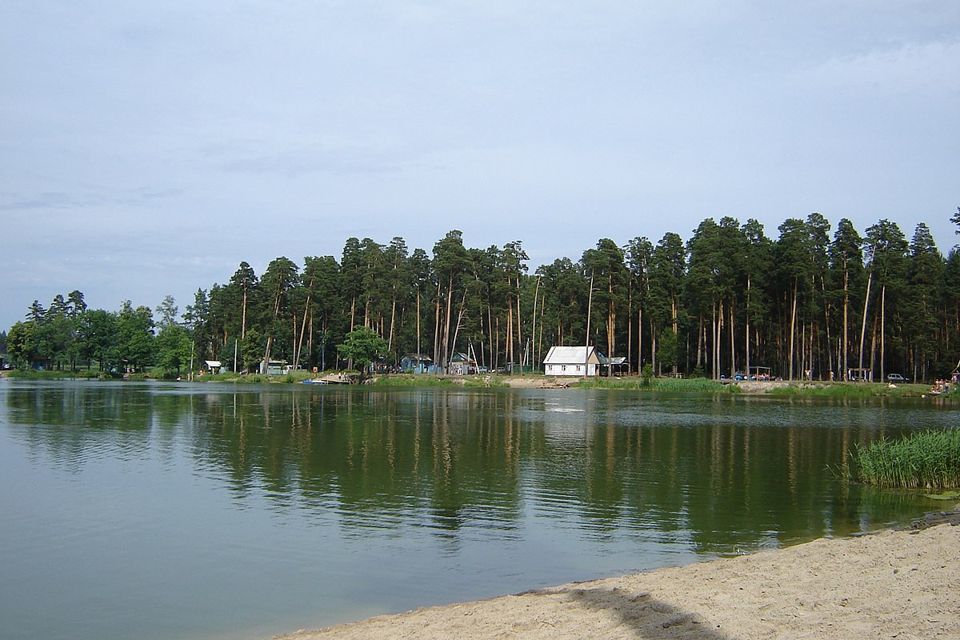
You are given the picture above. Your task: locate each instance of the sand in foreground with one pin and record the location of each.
(894, 584)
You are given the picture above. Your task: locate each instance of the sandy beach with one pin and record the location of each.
(891, 584)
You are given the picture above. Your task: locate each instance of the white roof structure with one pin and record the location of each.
(571, 355)
(213, 363)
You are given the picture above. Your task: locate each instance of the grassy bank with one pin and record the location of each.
(31, 374)
(665, 385)
(849, 390)
(930, 459)
(797, 389)
(294, 377)
(424, 380)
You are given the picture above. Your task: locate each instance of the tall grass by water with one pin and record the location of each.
(848, 390)
(930, 459)
(667, 385)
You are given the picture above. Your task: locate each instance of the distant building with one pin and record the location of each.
(416, 363)
(274, 367)
(462, 365)
(572, 361)
(614, 366)
(213, 366)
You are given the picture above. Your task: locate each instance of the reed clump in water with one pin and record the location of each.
(929, 459)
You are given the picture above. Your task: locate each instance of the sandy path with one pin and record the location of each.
(894, 584)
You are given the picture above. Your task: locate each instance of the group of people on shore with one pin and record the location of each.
(943, 386)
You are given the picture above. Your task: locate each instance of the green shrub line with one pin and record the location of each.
(927, 459)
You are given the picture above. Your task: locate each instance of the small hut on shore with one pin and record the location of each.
(416, 363)
(859, 374)
(572, 361)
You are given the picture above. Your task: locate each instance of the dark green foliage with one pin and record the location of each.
(646, 374)
(362, 347)
(174, 349)
(804, 305)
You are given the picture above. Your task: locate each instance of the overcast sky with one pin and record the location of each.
(147, 148)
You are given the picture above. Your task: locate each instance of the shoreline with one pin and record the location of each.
(690, 386)
(890, 583)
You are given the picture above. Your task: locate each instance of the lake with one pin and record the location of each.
(218, 511)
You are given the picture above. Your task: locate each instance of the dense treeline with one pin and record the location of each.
(814, 302)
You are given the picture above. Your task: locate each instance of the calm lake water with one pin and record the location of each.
(207, 511)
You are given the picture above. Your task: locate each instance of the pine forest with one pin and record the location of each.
(816, 301)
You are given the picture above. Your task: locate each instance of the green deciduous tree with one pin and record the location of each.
(174, 348)
(99, 337)
(135, 339)
(22, 344)
(363, 347)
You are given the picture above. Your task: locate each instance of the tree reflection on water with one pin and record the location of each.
(724, 473)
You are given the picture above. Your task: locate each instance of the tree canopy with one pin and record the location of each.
(813, 301)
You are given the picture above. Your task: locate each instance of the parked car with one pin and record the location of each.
(896, 377)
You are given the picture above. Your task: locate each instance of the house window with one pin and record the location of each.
(563, 367)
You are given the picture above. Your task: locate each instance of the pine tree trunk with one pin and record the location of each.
(393, 315)
(793, 327)
(846, 323)
(611, 320)
(701, 339)
(653, 349)
(436, 329)
(456, 332)
(746, 332)
(639, 338)
(519, 332)
(883, 310)
(589, 309)
(492, 341)
(446, 324)
(630, 322)
(714, 370)
(533, 329)
(733, 353)
(508, 335)
(303, 327)
(243, 316)
(863, 325)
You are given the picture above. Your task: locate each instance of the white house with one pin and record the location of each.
(571, 361)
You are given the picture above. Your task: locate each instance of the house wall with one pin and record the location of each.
(570, 369)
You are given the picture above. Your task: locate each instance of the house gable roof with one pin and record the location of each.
(572, 355)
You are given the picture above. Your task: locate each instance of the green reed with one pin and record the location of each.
(929, 459)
